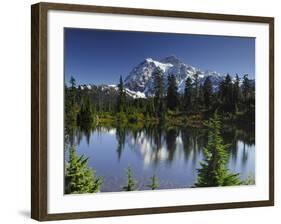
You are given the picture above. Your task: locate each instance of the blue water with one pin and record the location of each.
(172, 155)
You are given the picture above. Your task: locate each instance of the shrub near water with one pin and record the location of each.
(131, 183)
(79, 178)
(154, 183)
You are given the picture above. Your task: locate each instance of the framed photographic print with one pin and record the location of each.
(138, 111)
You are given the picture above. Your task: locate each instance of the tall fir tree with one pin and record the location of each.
(172, 93)
(188, 95)
(214, 171)
(236, 93)
(121, 101)
(246, 88)
(79, 178)
(159, 92)
(248, 93)
(226, 94)
(196, 92)
(71, 109)
(72, 82)
(207, 92)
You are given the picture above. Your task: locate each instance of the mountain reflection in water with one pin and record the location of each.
(172, 154)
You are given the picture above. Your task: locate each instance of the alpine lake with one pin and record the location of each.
(173, 154)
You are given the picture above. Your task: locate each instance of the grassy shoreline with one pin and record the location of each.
(171, 119)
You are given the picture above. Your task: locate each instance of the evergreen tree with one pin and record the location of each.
(72, 82)
(154, 183)
(172, 93)
(200, 99)
(79, 178)
(226, 94)
(196, 85)
(236, 92)
(196, 92)
(71, 109)
(248, 92)
(207, 92)
(131, 183)
(121, 101)
(188, 94)
(159, 92)
(213, 171)
(246, 88)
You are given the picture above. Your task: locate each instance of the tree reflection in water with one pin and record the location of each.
(173, 153)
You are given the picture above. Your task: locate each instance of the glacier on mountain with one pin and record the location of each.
(141, 77)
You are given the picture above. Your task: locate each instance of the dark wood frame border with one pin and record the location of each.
(39, 110)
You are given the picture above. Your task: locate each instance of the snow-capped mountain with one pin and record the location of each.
(141, 77)
(139, 82)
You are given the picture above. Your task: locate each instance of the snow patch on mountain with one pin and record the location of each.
(114, 88)
(141, 77)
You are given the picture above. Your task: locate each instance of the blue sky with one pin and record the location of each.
(101, 56)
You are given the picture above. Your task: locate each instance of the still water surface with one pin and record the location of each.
(172, 154)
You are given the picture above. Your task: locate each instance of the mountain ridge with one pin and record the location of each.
(141, 76)
(139, 82)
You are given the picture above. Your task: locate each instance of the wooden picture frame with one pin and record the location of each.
(39, 109)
